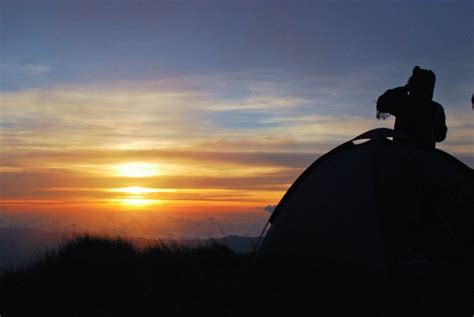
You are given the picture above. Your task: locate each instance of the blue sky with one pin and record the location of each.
(356, 48)
(109, 40)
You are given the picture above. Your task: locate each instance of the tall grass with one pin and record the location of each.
(89, 275)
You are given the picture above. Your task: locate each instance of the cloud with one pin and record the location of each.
(147, 117)
(34, 69)
(170, 159)
(269, 208)
(150, 225)
(273, 102)
(218, 151)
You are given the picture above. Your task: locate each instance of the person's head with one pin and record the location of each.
(422, 83)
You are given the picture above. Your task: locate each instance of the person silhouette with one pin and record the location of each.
(417, 116)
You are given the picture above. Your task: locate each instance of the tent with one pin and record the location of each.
(372, 202)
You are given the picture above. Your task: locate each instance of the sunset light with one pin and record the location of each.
(137, 170)
(201, 112)
(137, 202)
(141, 190)
(135, 196)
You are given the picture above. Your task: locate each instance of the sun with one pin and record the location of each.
(137, 169)
(135, 196)
(137, 202)
(135, 190)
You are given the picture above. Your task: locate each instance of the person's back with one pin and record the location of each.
(417, 115)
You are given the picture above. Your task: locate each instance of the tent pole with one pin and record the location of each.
(260, 238)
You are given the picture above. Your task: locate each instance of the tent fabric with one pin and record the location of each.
(375, 203)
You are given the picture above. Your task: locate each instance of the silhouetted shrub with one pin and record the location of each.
(109, 276)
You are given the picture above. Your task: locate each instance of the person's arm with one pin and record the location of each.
(392, 99)
(440, 128)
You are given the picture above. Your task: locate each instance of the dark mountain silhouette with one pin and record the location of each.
(104, 276)
(19, 246)
(94, 275)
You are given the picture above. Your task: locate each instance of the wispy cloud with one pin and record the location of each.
(217, 151)
(34, 69)
(13, 69)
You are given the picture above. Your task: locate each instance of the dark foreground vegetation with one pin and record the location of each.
(103, 276)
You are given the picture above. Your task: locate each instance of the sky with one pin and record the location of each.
(192, 118)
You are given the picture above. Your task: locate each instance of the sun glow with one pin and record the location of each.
(137, 201)
(136, 190)
(138, 196)
(137, 170)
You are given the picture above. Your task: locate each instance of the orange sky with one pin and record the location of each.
(73, 154)
(170, 119)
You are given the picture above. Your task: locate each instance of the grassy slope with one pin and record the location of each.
(102, 276)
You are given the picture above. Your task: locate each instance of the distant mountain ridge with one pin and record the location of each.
(18, 246)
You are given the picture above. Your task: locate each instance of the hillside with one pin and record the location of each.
(103, 276)
(19, 246)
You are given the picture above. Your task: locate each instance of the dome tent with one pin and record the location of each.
(373, 203)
